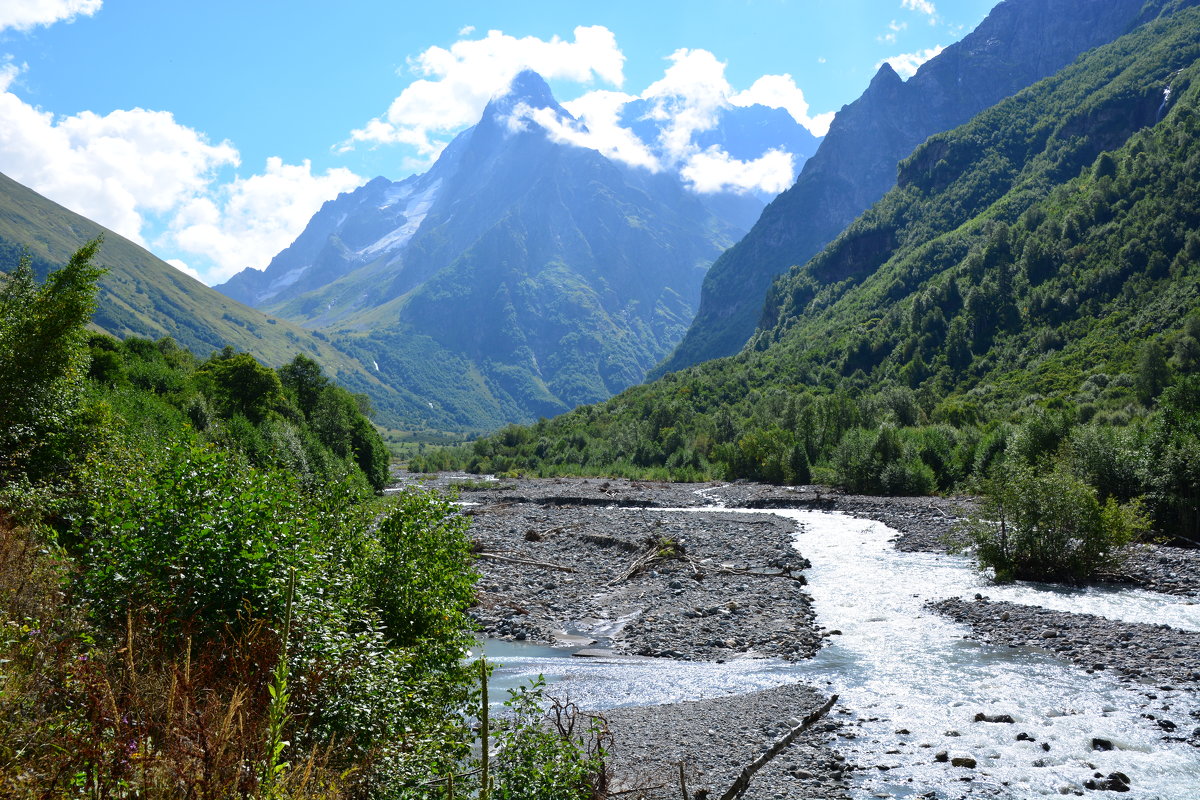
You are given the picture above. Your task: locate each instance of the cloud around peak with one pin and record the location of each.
(907, 64)
(456, 83)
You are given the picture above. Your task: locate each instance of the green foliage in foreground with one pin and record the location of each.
(536, 761)
(202, 596)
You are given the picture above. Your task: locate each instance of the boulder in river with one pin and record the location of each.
(1115, 782)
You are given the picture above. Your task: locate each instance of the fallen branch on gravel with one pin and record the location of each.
(743, 781)
(725, 569)
(658, 549)
(525, 561)
(932, 507)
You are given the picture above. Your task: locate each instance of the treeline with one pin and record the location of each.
(1028, 291)
(293, 418)
(878, 443)
(202, 594)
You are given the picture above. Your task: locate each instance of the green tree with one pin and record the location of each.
(44, 362)
(241, 385)
(1171, 465)
(302, 377)
(1153, 372)
(1046, 524)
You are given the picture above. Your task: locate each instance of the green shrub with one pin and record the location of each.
(537, 761)
(196, 536)
(1047, 524)
(1171, 464)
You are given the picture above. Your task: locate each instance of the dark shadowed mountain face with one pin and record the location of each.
(1020, 42)
(519, 277)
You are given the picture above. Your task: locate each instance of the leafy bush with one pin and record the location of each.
(537, 761)
(1047, 524)
(197, 537)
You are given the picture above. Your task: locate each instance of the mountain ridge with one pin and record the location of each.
(536, 274)
(1018, 43)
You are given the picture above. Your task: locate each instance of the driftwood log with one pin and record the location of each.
(743, 781)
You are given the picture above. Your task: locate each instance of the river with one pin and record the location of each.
(914, 682)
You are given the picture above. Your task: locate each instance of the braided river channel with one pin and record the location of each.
(913, 683)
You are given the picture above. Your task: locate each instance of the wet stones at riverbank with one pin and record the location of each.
(716, 738)
(710, 587)
(1171, 570)
(1160, 660)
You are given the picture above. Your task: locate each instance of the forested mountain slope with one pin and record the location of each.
(1032, 285)
(1020, 42)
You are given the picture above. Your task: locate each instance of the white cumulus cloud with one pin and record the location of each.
(714, 170)
(599, 128)
(456, 83)
(244, 223)
(687, 101)
(112, 168)
(780, 91)
(906, 64)
(136, 170)
(25, 14)
(922, 6)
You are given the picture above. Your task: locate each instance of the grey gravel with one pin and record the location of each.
(667, 611)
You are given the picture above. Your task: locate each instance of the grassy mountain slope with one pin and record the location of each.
(1042, 259)
(144, 296)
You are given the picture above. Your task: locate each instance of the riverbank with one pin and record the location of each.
(591, 563)
(715, 739)
(1158, 661)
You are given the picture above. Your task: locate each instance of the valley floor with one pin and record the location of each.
(587, 563)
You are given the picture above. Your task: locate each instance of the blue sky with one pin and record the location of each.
(210, 132)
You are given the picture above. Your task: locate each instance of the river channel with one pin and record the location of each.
(914, 683)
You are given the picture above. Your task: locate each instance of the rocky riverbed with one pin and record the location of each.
(586, 564)
(643, 583)
(715, 739)
(590, 563)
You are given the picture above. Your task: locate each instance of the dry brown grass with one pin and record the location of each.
(128, 711)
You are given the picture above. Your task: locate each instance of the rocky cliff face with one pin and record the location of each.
(1019, 43)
